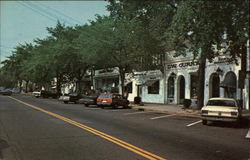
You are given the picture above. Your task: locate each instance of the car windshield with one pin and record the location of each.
(105, 96)
(229, 103)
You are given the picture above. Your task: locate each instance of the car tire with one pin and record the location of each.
(66, 102)
(101, 106)
(114, 106)
(86, 105)
(204, 122)
(126, 106)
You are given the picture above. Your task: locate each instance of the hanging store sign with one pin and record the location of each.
(182, 65)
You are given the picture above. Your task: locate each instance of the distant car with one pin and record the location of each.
(6, 92)
(37, 94)
(112, 99)
(15, 90)
(45, 94)
(221, 109)
(72, 97)
(89, 100)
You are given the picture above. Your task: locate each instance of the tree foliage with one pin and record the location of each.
(135, 36)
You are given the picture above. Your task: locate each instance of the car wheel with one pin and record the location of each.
(126, 106)
(204, 122)
(101, 106)
(114, 106)
(66, 102)
(86, 105)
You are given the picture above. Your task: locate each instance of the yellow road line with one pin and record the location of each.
(119, 142)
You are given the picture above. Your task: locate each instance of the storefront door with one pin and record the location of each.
(215, 85)
(181, 89)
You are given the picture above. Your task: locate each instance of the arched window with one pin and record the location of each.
(171, 87)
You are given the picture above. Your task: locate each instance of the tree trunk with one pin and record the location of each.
(78, 86)
(26, 86)
(20, 85)
(92, 78)
(58, 84)
(122, 76)
(201, 82)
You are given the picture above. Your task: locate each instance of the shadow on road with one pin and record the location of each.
(3, 144)
(243, 123)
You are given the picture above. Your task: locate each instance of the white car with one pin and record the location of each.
(221, 109)
(37, 94)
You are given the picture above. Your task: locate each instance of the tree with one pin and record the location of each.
(67, 62)
(108, 44)
(15, 65)
(152, 18)
(201, 25)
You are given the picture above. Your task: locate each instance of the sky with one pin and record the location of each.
(24, 21)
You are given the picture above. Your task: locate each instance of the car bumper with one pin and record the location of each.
(87, 102)
(226, 119)
(104, 103)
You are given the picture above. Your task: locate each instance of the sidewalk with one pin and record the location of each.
(167, 108)
(176, 109)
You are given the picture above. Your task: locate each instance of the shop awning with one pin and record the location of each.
(150, 82)
(229, 82)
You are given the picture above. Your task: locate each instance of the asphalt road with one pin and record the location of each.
(46, 129)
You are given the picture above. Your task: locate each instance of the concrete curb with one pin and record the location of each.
(193, 115)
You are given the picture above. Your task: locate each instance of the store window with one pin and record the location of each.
(154, 88)
(129, 87)
(194, 85)
(171, 80)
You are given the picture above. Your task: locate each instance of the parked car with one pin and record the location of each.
(6, 92)
(45, 94)
(72, 97)
(89, 99)
(221, 109)
(37, 94)
(112, 99)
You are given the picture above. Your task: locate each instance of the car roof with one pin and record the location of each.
(221, 98)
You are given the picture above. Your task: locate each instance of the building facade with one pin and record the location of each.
(180, 78)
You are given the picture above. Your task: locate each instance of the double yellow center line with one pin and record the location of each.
(119, 142)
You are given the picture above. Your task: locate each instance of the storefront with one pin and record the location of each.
(107, 80)
(181, 81)
(149, 85)
(221, 80)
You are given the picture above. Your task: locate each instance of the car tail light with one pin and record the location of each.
(99, 99)
(234, 113)
(204, 112)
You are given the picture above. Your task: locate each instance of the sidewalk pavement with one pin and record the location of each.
(176, 109)
(169, 109)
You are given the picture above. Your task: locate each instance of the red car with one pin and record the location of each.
(112, 99)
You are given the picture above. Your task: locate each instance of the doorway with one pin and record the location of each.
(181, 89)
(215, 85)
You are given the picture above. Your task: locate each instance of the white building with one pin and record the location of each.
(149, 85)
(180, 81)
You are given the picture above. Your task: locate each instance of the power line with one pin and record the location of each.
(42, 14)
(42, 10)
(60, 13)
